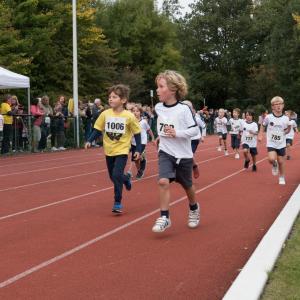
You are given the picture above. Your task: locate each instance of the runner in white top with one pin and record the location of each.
(235, 132)
(277, 127)
(249, 140)
(195, 140)
(176, 126)
(145, 128)
(290, 136)
(220, 124)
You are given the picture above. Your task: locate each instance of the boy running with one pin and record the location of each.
(117, 125)
(290, 136)
(236, 125)
(249, 139)
(277, 127)
(221, 128)
(175, 126)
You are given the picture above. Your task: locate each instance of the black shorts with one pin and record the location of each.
(280, 152)
(194, 144)
(172, 168)
(133, 150)
(253, 150)
(235, 141)
(289, 141)
(222, 136)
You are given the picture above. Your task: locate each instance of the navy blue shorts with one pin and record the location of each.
(253, 150)
(280, 152)
(222, 135)
(194, 144)
(235, 141)
(289, 141)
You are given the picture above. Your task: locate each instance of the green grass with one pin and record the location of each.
(284, 281)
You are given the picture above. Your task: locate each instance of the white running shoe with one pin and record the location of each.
(226, 153)
(161, 224)
(54, 149)
(62, 148)
(219, 148)
(237, 156)
(194, 217)
(281, 180)
(275, 168)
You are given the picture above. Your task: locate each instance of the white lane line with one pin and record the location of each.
(74, 176)
(62, 166)
(81, 195)
(107, 234)
(48, 181)
(40, 161)
(250, 283)
(52, 168)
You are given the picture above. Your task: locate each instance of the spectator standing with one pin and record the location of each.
(46, 122)
(8, 121)
(37, 113)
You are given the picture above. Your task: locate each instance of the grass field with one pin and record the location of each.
(284, 281)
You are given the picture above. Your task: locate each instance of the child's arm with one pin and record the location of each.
(95, 134)
(260, 133)
(138, 141)
(151, 134)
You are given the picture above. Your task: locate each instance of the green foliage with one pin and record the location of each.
(217, 45)
(142, 38)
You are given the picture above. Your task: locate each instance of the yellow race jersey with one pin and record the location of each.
(117, 129)
(5, 108)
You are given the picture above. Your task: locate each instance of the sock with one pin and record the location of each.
(194, 206)
(164, 213)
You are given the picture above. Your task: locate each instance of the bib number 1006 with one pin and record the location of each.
(115, 126)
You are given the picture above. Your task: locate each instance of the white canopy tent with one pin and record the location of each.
(11, 80)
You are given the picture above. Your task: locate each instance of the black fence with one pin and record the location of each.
(30, 134)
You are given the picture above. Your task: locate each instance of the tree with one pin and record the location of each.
(143, 39)
(217, 44)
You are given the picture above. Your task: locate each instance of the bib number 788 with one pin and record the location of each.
(163, 126)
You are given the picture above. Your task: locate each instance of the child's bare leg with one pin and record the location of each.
(280, 160)
(164, 193)
(190, 192)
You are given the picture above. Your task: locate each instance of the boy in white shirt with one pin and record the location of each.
(290, 136)
(220, 124)
(176, 126)
(236, 128)
(277, 127)
(249, 139)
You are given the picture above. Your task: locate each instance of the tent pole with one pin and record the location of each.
(29, 120)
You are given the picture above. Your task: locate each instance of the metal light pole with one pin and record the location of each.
(75, 71)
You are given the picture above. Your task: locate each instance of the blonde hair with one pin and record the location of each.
(277, 99)
(175, 82)
(237, 110)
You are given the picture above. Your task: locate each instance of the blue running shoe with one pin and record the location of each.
(127, 182)
(117, 208)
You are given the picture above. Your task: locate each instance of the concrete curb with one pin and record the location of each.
(251, 281)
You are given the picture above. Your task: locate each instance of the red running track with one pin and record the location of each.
(59, 239)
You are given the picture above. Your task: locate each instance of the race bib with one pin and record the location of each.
(115, 125)
(248, 137)
(163, 124)
(276, 137)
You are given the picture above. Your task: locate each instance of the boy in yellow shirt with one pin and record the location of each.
(117, 125)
